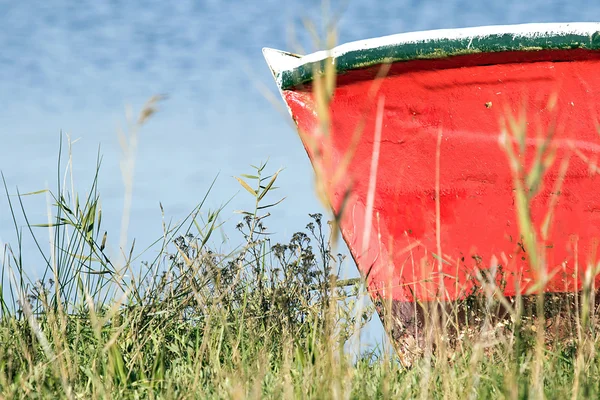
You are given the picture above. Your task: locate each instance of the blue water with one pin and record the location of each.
(74, 68)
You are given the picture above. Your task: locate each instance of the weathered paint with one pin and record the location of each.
(477, 212)
(463, 98)
(437, 44)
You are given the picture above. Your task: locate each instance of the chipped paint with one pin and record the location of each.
(291, 70)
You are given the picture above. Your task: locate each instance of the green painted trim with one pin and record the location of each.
(440, 48)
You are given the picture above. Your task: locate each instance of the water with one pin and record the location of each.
(75, 67)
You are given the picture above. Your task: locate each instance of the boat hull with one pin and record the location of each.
(463, 106)
(432, 184)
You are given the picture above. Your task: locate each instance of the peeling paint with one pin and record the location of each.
(439, 44)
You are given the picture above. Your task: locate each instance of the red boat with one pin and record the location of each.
(411, 138)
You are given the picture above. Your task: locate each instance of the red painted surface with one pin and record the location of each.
(477, 209)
